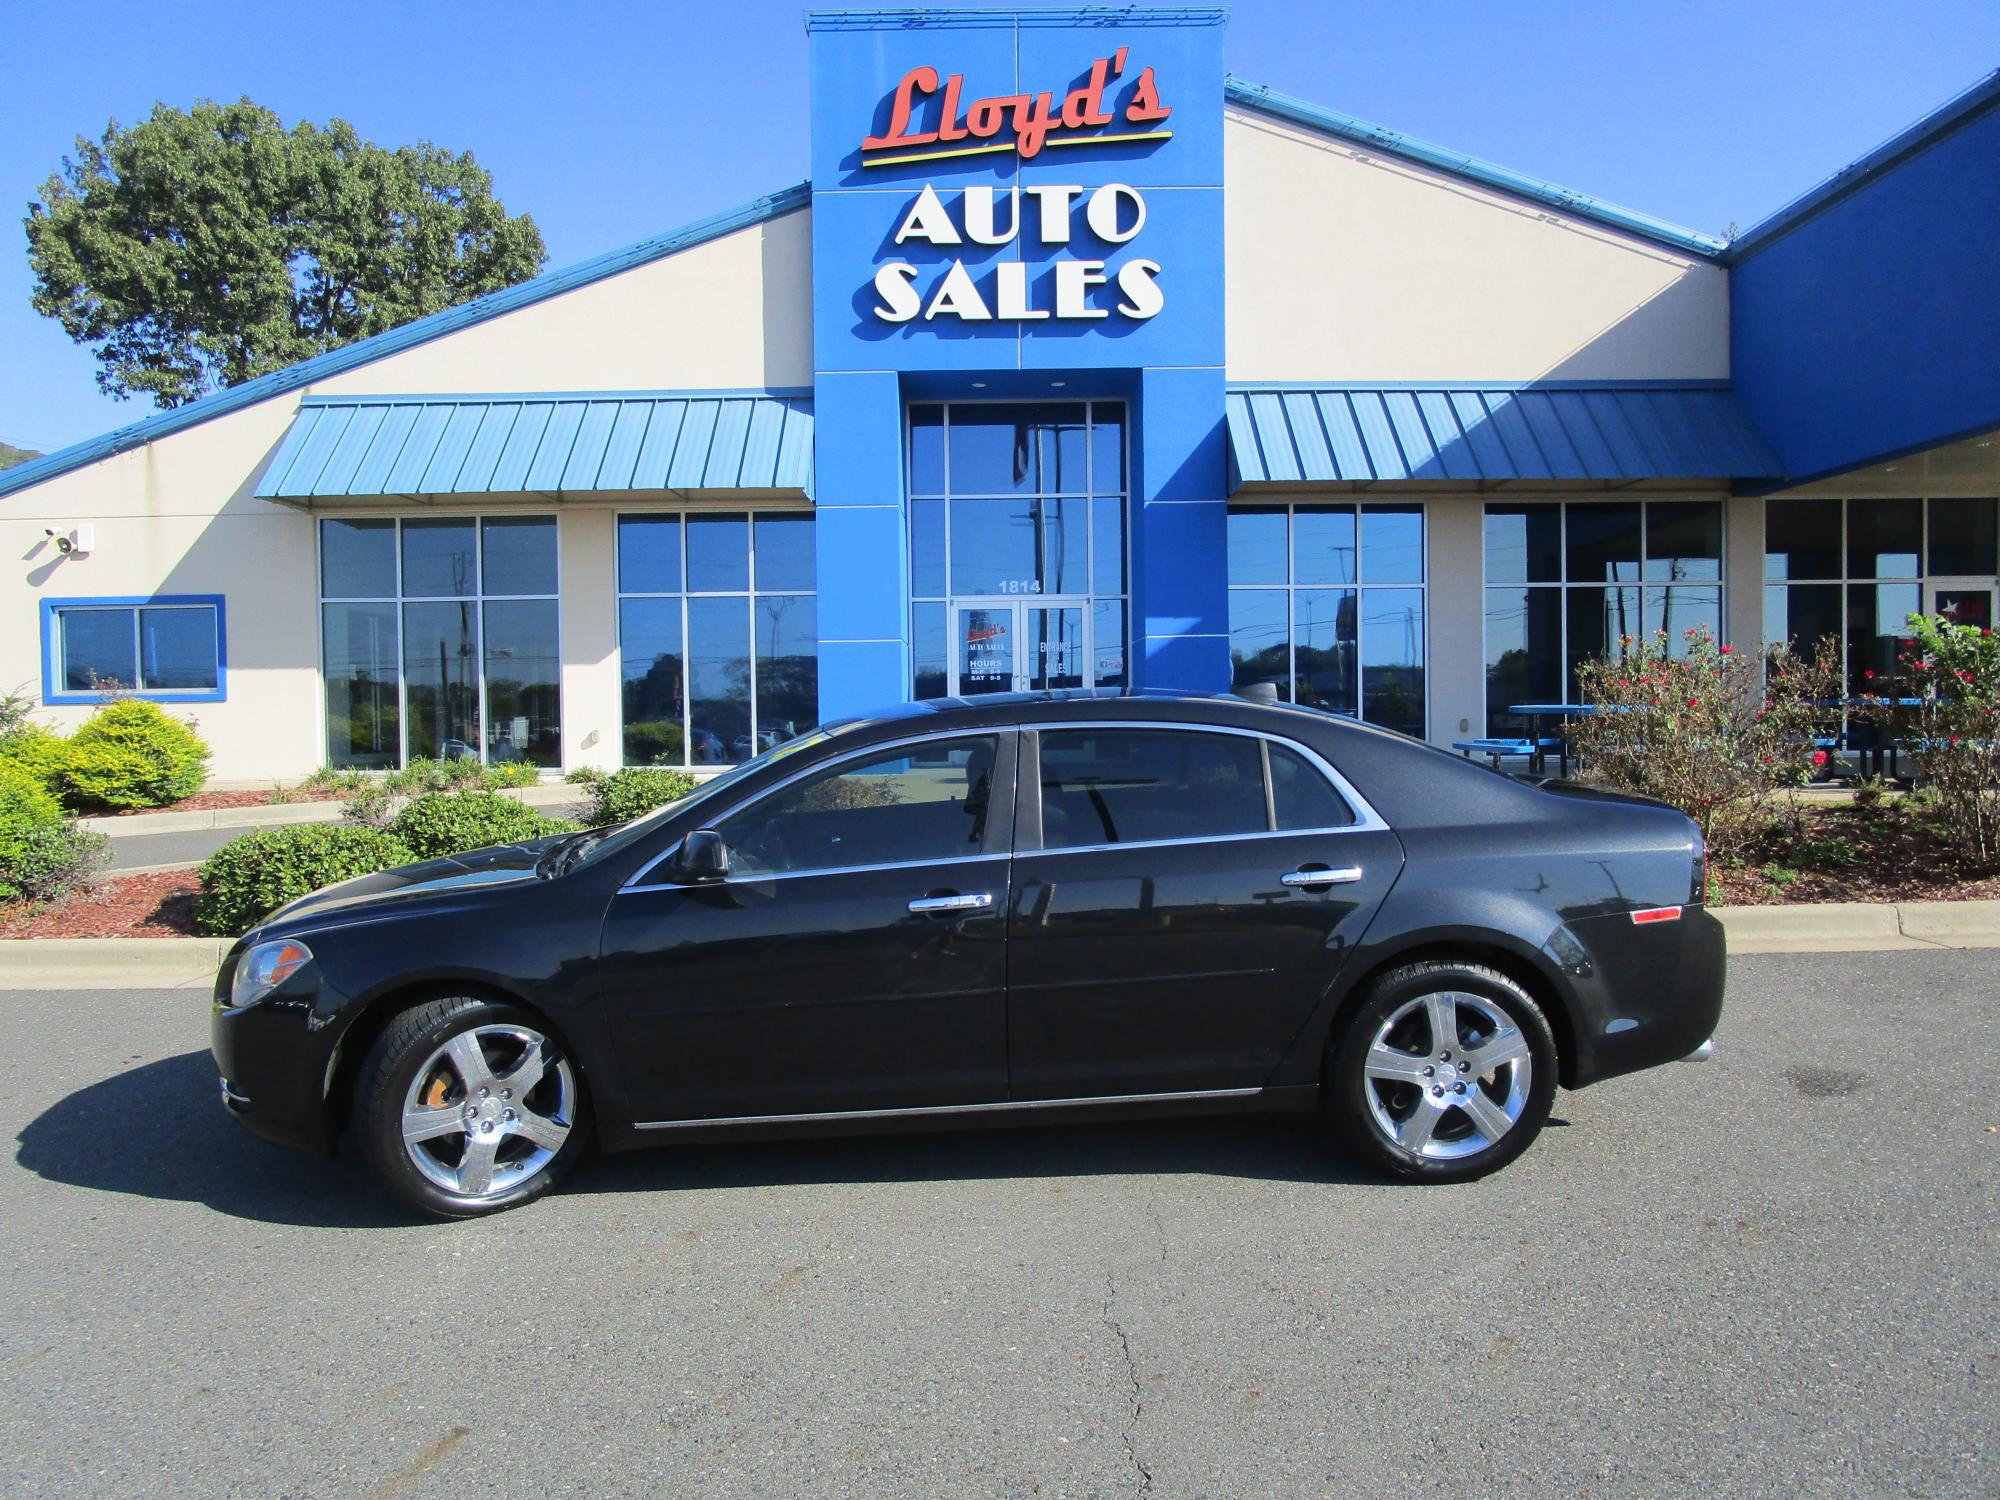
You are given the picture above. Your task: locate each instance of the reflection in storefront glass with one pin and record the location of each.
(441, 679)
(523, 683)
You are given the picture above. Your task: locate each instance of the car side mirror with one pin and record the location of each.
(701, 856)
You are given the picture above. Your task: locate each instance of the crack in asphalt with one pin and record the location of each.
(1136, 1396)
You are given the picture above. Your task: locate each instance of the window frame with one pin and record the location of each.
(1923, 579)
(1563, 586)
(55, 694)
(750, 594)
(1028, 784)
(1291, 589)
(1093, 490)
(401, 600)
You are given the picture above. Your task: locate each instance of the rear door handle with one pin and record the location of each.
(1308, 880)
(976, 901)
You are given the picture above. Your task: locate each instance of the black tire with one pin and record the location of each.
(1362, 1110)
(410, 1043)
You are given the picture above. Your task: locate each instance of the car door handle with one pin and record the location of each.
(1307, 880)
(976, 901)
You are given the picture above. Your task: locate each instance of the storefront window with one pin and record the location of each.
(1326, 608)
(439, 638)
(1565, 582)
(1865, 606)
(718, 635)
(1017, 546)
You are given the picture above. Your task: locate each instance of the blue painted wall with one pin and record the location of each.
(1871, 327)
(1167, 366)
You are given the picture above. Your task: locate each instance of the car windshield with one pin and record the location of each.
(596, 845)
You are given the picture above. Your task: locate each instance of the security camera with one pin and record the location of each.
(67, 542)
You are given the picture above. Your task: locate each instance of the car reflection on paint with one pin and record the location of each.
(1022, 908)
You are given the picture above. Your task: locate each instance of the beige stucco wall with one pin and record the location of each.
(733, 314)
(1351, 265)
(179, 516)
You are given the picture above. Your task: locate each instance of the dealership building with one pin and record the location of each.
(1077, 362)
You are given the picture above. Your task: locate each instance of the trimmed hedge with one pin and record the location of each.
(443, 823)
(131, 753)
(38, 750)
(631, 793)
(249, 878)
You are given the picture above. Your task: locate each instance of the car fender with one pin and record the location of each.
(1529, 940)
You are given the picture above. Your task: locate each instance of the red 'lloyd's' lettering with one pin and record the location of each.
(1034, 118)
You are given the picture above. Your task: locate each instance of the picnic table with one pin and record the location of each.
(1539, 716)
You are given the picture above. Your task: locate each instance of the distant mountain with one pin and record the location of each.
(9, 456)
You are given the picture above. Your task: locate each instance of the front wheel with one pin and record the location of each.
(467, 1106)
(1445, 1073)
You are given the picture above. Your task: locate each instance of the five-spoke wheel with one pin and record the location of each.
(466, 1106)
(1446, 1071)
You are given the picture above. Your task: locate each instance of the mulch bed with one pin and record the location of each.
(125, 906)
(210, 801)
(1894, 858)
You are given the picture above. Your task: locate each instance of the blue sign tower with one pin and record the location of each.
(1018, 210)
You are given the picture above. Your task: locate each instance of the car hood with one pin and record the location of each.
(455, 875)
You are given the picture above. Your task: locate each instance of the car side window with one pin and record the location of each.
(913, 804)
(1130, 786)
(1301, 797)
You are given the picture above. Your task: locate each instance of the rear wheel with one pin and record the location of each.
(1445, 1073)
(466, 1106)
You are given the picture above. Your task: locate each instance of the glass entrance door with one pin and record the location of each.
(1009, 646)
(1963, 601)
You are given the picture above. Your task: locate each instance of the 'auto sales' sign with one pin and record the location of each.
(1051, 215)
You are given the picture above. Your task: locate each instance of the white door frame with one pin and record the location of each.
(1016, 612)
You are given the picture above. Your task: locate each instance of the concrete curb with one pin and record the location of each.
(1839, 927)
(272, 815)
(110, 963)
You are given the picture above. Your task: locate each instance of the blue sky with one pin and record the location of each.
(611, 123)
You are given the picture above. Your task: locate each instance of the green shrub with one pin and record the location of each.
(249, 878)
(655, 742)
(632, 792)
(26, 809)
(1715, 732)
(50, 860)
(38, 750)
(442, 823)
(131, 753)
(1952, 729)
(513, 773)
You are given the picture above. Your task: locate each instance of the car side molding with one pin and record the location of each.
(1001, 1106)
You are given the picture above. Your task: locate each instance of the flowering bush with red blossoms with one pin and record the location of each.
(1952, 730)
(1717, 732)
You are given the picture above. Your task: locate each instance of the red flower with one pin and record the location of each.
(1869, 674)
(1819, 757)
(1963, 675)
(1694, 703)
(1922, 666)
(1623, 683)
(1727, 649)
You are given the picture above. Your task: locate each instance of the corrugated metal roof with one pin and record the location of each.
(543, 444)
(1490, 434)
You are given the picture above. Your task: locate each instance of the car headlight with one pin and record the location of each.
(265, 967)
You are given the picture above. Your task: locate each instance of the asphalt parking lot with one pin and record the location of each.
(1772, 1273)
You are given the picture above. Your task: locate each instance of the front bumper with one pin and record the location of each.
(274, 1058)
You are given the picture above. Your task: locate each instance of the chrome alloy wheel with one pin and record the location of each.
(488, 1110)
(1448, 1075)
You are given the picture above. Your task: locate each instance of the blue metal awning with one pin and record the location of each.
(1491, 434)
(543, 444)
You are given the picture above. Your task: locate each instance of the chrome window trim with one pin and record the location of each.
(997, 1106)
(637, 880)
(1366, 819)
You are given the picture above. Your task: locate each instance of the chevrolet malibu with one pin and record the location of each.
(1031, 908)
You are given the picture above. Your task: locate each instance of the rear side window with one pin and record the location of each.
(912, 805)
(1132, 786)
(1301, 797)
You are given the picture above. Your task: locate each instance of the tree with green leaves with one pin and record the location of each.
(200, 249)
(10, 455)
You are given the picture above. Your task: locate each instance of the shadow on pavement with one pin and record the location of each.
(156, 1132)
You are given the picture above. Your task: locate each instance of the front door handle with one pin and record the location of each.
(976, 901)
(1312, 880)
